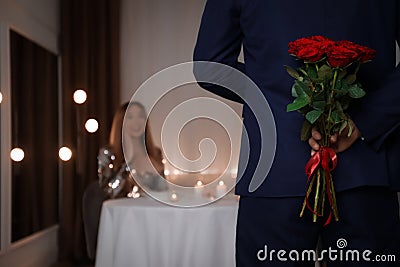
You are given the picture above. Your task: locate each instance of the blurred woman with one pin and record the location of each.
(130, 152)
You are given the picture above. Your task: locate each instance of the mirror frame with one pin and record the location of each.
(49, 41)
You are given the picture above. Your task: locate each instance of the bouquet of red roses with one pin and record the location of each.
(323, 89)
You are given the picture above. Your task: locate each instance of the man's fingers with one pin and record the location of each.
(313, 144)
(334, 138)
(316, 135)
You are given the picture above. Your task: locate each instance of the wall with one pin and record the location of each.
(39, 21)
(158, 34)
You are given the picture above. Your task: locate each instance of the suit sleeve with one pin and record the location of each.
(379, 116)
(219, 40)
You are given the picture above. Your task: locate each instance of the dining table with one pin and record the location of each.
(149, 232)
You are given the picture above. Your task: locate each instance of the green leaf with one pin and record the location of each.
(350, 129)
(311, 72)
(325, 72)
(344, 90)
(345, 101)
(292, 72)
(297, 104)
(335, 117)
(338, 85)
(339, 107)
(356, 92)
(313, 115)
(340, 111)
(319, 105)
(342, 74)
(294, 93)
(303, 71)
(306, 130)
(342, 127)
(302, 88)
(351, 79)
(319, 96)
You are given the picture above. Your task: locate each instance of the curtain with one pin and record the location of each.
(90, 61)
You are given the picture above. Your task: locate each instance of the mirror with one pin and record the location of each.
(34, 106)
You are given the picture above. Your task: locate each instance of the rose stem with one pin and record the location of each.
(307, 194)
(316, 197)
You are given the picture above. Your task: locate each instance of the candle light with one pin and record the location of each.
(198, 188)
(134, 193)
(174, 197)
(220, 190)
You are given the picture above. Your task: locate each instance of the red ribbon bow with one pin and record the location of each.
(327, 158)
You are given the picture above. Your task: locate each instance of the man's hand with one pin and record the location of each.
(338, 142)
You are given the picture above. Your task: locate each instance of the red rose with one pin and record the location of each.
(310, 49)
(367, 53)
(295, 46)
(342, 53)
(311, 53)
(322, 39)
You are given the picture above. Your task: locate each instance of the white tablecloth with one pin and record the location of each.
(146, 233)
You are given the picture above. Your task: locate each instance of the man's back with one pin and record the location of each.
(264, 28)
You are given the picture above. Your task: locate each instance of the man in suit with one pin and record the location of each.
(367, 175)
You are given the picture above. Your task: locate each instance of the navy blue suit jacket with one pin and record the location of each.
(265, 28)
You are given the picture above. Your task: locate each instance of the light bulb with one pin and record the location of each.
(91, 125)
(1, 97)
(65, 153)
(17, 154)
(80, 96)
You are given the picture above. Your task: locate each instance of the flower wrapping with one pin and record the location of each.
(323, 89)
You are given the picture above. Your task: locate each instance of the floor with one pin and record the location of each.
(65, 264)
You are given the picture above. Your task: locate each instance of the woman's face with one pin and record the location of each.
(135, 121)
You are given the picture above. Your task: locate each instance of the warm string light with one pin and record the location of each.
(17, 154)
(80, 96)
(91, 125)
(1, 97)
(65, 153)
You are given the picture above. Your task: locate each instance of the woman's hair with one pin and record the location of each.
(115, 141)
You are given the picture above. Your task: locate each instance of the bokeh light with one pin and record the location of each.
(80, 96)
(91, 125)
(17, 154)
(65, 153)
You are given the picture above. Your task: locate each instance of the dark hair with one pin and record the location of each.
(115, 141)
